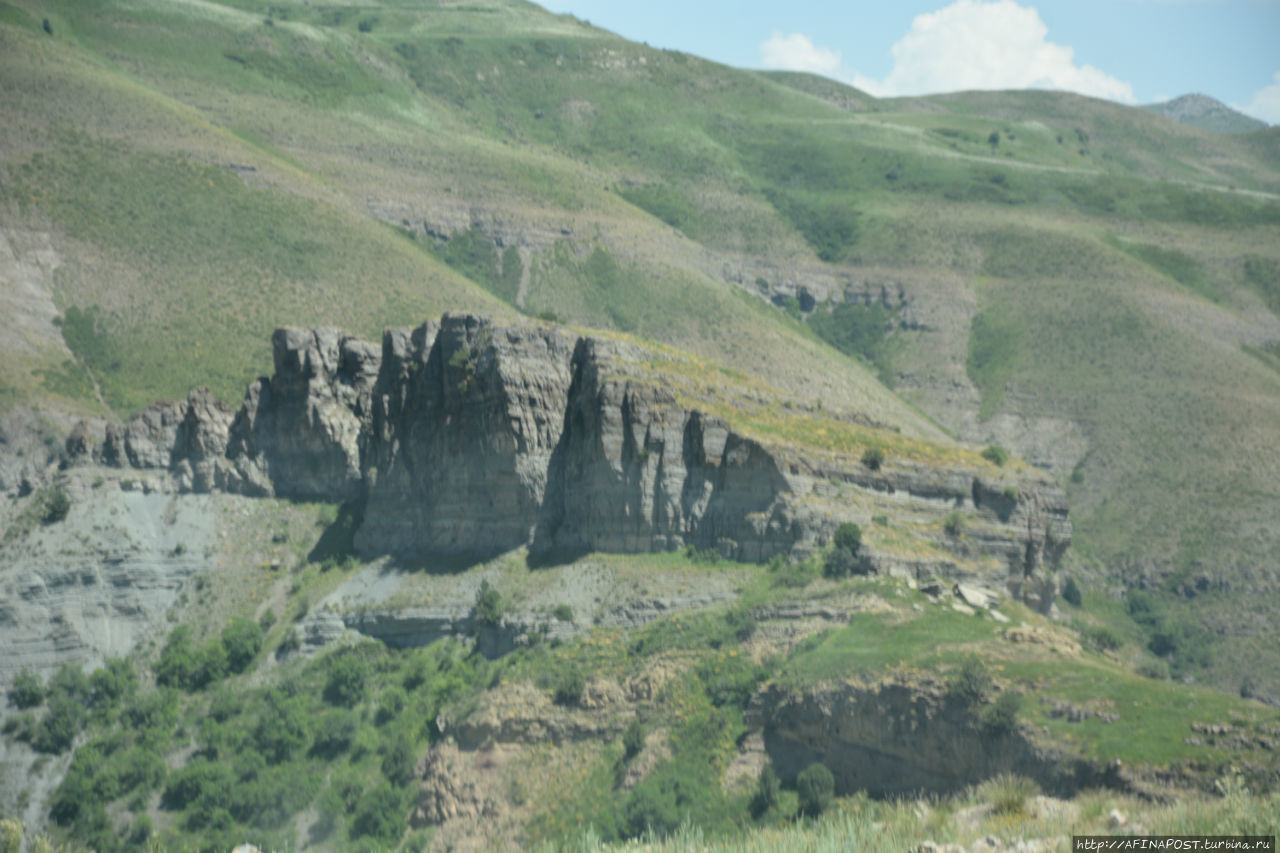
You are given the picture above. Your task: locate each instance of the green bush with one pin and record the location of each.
(873, 458)
(569, 687)
(1002, 717)
(1072, 594)
(953, 524)
(848, 535)
(335, 732)
(488, 606)
(241, 640)
(398, 759)
(765, 797)
(283, 728)
(971, 685)
(563, 613)
(345, 684)
(379, 814)
(1102, 638)
(995, 454)
(390, 705)
(816, 788)
(652, 808)
(1155, 669)
(843, 559)
(27, 690)
(56, 505)
(633, 739)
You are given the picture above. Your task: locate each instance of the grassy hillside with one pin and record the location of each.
(1095, 286)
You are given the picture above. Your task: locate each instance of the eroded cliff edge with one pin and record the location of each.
(471, 437)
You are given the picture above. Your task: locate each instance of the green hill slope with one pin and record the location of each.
(1092, 285)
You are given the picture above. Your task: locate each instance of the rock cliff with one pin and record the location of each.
(902, 736)
(473, 437)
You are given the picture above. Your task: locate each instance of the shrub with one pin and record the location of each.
(766, 794)
(848, 535)
(843, 559)
(651, 808)
(345, 685)
(488, 606)
(379, 814)
(398, 759)
(335, 733)
(1008, 794)
(56, 505)
(569, 687)
(27, 691)
(1142, 608)
(1156, 669)
(59, 726)
(241, 640)
(283, 728)
(995, 454)
(633, 739)
(289, 643)
(1071, 593)
(390, 705)
(1002, 717)
(114, 682)
(1103, 638)
(873, 458)
(971, 684)
(816, 788)
(563, 613)
(953, 524)
(177, 659)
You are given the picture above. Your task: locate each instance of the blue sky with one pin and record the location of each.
(1131, 51)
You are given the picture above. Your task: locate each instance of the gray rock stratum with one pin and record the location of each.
(473, 437)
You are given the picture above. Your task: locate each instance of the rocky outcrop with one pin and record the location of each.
(298, 432)
(901, 736)
(636, 471)
(473, 437)
(462, 444)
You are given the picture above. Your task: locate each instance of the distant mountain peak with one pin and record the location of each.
(1207, 113)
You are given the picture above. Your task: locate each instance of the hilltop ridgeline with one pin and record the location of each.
(472, 437)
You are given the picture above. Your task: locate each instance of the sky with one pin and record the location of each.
(1130, 51)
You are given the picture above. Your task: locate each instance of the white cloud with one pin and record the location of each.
(1265, 103)
(970, 44)
(797, 52)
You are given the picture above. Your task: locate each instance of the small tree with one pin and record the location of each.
(971, 684)
(995, 454)
(633, 739)
(844, 559)
(345, 685)
(765, 797)
(1002, 717)
(953, 525)
(241, 640)
(569, 687)
(1071, 593)
(488, 606)
(994, 140)
(873, 458)
(816, 787)
(27, 690)
(56, 505)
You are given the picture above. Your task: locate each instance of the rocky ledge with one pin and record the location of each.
(471, 437)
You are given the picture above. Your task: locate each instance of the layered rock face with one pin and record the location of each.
(634, 471)
(898, 737)
(472, 437)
